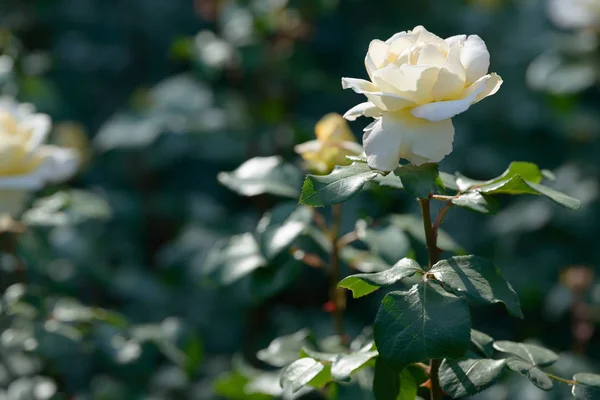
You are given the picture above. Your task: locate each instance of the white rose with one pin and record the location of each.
(26, 164)
(418, 82)
(575, 14)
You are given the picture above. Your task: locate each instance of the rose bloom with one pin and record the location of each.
(575, 14)
(26, 164)
(334, 142)
(418, 82)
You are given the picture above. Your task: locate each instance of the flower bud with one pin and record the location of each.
(334, 142)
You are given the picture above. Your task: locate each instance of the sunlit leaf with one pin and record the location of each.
(479, 280)
(468, 376)
(285, 349)
(340, 185)
(280, 227)
(233, 258)
(364, 284)
(67, 208)
(588, 386)
(477, 202)
(262, 175)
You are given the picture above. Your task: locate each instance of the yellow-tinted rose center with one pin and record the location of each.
(15, 157)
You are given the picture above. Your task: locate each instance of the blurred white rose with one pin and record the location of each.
(575, 14)
(418, 82)
(26, 164)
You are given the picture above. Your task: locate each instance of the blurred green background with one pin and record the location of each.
(162, 95)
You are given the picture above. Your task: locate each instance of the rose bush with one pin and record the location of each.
(26, 163)
(334, 142)
(418, 83)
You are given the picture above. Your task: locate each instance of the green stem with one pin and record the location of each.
(430, 236)
(563, 380)
(440, 219)
(337, 295)
(432, 249)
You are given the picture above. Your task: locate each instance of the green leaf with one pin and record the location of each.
(482, 342)
(340, 185)
(266, 282)
(531, 372)
(361, 158)
(389, 180)
(322, 356)
(519, 178)
(232, 259)
(300, 373)
(262, 175)
(423, 323)
(345, 364)
(284, 349)
(363, 260)
(67, 207)
(588, 386)
(364, 284)
(536, 355)
(278, 228)
(468, 376)
(528, 171)
(479, 280)
(517, 186)
(266, 383)
(526, 360)
(420, 180)
(477, 202)
(231, 386)
(389, 384)
(448, 180)
(389, 242)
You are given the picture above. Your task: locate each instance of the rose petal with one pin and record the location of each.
(442, 110)
(59, 164)
(384, 101)
(475, 58)
(381, 142)
(424, 36)
(399, 43)
(33, 181)
(308, 147)
(39, 124)
(492, 85)
(456, 40)
(431, 54)
(429, 141)
(333, 128)
(376, 56)
(367, 109)
(400, 135)
(451, 79)
(351, 146)
(412, 82)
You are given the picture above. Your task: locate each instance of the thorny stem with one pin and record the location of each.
(337, 295)
(432, 249)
